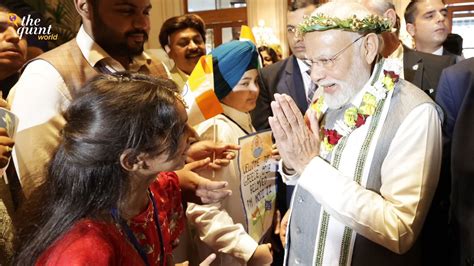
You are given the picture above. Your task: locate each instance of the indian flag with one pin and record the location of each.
(246, 34)
(202, 103)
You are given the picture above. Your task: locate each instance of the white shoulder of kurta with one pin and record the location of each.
(409, 177)
(37, 96)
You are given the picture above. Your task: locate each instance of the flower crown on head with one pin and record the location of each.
(321, 22)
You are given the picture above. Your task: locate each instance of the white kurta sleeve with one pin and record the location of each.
(409, 177)
(288, 179)
(38, 102)
(217, 229)
(213, 223)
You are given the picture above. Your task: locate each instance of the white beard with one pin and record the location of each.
(347, 89)
(341, 97)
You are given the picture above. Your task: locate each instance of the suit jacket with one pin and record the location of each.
(462, 167)
(424, 69)
(281, 77)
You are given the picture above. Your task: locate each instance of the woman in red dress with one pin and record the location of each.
(112, 198)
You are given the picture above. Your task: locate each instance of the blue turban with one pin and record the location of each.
(230, 61)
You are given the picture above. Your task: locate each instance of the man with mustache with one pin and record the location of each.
(184, 40)
(111, 39)
(367, 164)
(12, 50)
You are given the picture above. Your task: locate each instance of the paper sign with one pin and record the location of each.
(258, 182)
(9, 121)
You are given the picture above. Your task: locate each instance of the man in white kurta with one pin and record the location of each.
(366, 176)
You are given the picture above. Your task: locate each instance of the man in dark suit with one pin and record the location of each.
(289, 76)
(424, 70)
(456, 97)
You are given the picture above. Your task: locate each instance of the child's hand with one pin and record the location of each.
(205, 262)
(208, 260)
(283, 226)
(262, 255)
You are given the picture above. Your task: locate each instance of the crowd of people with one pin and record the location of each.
(372, 139)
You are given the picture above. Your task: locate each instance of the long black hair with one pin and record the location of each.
(85, 179)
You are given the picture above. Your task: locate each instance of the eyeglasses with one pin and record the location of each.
(328, 63)
(291, 29)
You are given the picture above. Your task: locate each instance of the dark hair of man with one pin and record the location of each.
(85, 179)
(273, 55)
(297, 4)
(94, 4)
(178, 23)
(4, 9)
(411, 11)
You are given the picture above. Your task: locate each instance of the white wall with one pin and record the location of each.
(274, 14)
(161, 11)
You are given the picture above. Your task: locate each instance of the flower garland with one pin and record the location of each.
(355, 117)
(321, 22)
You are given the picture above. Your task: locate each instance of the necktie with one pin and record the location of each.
(311, 89)
(103, 68)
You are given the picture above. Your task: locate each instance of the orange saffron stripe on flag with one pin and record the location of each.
(201, 73)
(207, 64)
(209, 104)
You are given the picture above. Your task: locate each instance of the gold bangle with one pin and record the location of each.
(8, 148)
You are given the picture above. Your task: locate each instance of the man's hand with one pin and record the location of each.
(275, 153)
(262, 255)
(223, 153)
(277, 222)
(6, 146)
(4, 104)
(283, 226)
(296, 144)
(198, 189)
(6, 143)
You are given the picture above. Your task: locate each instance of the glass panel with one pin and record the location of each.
(464, 26)
(202, 5)
(230, 33)
(209, 40)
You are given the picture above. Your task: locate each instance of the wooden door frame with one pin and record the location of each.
(220, 18)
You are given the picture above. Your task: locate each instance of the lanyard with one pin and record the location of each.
(243, 129)
(131, 237)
